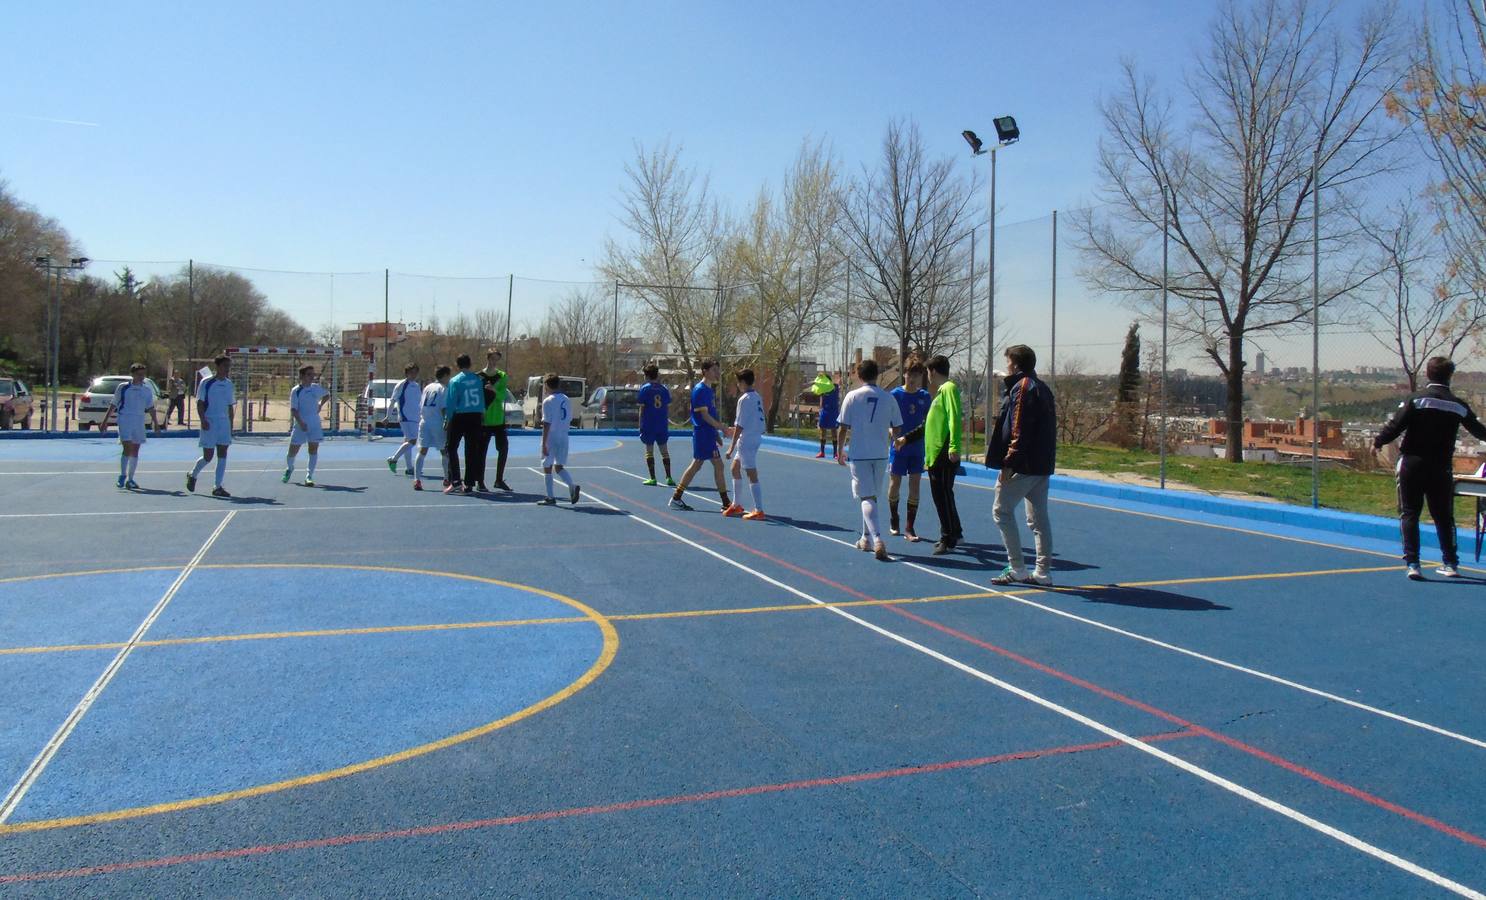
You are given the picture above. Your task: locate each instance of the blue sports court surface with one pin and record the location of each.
(360, 689)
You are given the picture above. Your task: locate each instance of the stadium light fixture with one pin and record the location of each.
(1007, 133)
(974, 142)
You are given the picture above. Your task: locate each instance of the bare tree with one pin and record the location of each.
(1085, 403)
(1280, 87)
(906, 225)
(673, 228)
(574, 334)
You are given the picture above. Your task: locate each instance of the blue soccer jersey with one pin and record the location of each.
(655, 412)
(913, 406)
(703, 398)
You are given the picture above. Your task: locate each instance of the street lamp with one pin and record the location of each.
(1007, 133)
(54, 327)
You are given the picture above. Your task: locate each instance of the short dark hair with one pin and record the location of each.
(552, 380)
(222, 360)
(440, 372)
(137, 367)
(939, 363)
(410, 367)
(305, 370)
(1023, 357)
(707, 364)
(867, 370)
(915, 367)
(652, 371)
(462, 361)
(745, 376)
(494, 351)
(1439, 369)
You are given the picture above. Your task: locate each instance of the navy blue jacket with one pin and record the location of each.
(1026, 436)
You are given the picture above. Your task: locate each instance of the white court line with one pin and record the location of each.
(452, 504)
(1155, 642)
(44, 758)
(239, 470)
(1275, 806)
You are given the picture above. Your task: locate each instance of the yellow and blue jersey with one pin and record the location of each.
(655, 409)
(914, 407)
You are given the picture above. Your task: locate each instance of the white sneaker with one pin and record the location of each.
(1447, 572)
(1010, 576)
(1413, 572)
(1040, 578)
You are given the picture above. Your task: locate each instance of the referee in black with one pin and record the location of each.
(1429, 421)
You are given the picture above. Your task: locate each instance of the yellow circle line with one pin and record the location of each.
(20, 578)
(606, 656)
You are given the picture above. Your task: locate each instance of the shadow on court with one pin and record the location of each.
(1143, 598)
(156, 492)
(339, 488)
(807, 524)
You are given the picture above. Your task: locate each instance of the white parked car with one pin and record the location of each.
(531, 409)
(378, 396)
(96, 405)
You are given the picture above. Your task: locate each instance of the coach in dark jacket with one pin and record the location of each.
(1024, 447)
(1429, 421)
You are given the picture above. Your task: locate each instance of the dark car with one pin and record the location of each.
(15, 403)
(613, 407)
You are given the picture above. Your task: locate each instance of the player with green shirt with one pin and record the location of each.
(941, 434)
(494, 379)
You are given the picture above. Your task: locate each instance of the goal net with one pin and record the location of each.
(263, 377)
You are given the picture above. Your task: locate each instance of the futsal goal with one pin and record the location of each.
(263, 376)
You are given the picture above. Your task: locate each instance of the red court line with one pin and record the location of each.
(572, 812)
(1328, 781)
(1311, 774)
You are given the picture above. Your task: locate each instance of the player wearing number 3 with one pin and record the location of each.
(870, 417)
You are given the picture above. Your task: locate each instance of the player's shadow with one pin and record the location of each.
(808, 524)
(1143, 598)
(156, 492)
(247, 501)
(592, 510)
(342, 488)
(980, 558)
(508, 497)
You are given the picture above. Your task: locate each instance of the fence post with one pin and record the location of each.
(1316, 331)
(1052, 353)
(1165, 282)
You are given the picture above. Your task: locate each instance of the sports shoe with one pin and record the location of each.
(755, 516)
(287, 473)
(911, 537)
(650, 482)
(410, 473)
(392, 465)
(190, 482)
(547, 501)
(132, 485)
(733, 511)
(821, 455)
(309, 482)
(468, 489)
(121, 482)
(892, 522)
(417, 484)
(574, 492)
(678, 503)
(1413, 572)
(1446, 571)
(670, 482)
(502, 486)
(880, 551)
(1040, 578)
(451, 486)
(1009, 576)
(864, 544)
(220, 491)
(480, 486)
(941, 548)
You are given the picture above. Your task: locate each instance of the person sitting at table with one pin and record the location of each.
(1429, 421)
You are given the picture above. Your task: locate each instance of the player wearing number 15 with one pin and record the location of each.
(464, 413)
(871, 418)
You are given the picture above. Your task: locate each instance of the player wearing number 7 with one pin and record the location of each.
(748, 435)
(870, 417)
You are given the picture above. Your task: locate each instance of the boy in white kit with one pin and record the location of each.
(131, 400)
(431, 424)
(557, 415)
(305, 402)
(405, 397)
(748, 435)
(215, 404)
(872, 418)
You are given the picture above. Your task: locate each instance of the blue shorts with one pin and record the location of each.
(655, 436)
(907, 462)
(825, 424)
(704, 443)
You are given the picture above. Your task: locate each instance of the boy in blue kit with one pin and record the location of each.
(706, 436)
(830, 405)
(913, 403)
(655, 422)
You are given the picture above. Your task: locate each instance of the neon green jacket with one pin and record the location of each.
(495, 413)
(942, 427)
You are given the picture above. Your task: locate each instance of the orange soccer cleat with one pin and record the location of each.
(755, 516)
(733, 511)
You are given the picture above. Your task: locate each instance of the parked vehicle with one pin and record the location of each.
(613, 407)
(15, 403)
(378, 396)
(96, 405)
(531, 410)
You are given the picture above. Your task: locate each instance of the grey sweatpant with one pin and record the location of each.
(1011, 490)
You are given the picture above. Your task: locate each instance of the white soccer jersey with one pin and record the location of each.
(434, 400)
(305, 400)
(749, 418)
(218, 395)
(869, 411)
(133, 402)
(557, 414)
(405, 396)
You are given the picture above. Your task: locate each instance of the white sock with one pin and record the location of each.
(289, 462)
(133, 464)
(549, 483)
(737, 489)
(869, 518)
(314, 458)
(123, 464)
(566, 478)
(407, 451)
(418, 466)
(221, 469)
(758, 495)
(200, 464)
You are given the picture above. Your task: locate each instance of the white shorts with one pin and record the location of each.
(748, 454)
(866, 477)
(409, 431)
(557, 452)
(132, 432)
(312, 435)
(215, 433)
(431, 435)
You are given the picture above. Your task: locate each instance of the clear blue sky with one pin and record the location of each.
(482, 138)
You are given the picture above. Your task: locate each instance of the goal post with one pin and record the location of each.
(263, 377)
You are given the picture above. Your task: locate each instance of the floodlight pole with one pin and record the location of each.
(1165, 283)
(991, 301)
(1316, 331)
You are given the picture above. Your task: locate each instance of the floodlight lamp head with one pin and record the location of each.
(80, 260)
(973, 141)
(1006, 130)
(43, 261)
